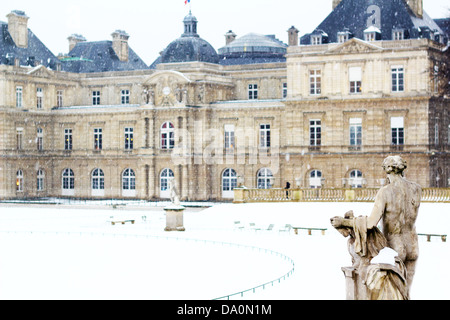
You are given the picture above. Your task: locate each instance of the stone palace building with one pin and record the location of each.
(323, 110)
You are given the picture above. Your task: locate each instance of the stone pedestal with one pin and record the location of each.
(174, 218)
(354, 287)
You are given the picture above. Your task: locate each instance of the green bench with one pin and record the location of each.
(309, 230)
(429, 235)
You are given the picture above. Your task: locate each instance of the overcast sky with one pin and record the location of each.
(153, 24)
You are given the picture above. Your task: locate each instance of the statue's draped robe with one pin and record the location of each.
(384, 281)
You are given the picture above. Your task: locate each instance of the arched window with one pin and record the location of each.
(264, 180)
(68, 182)
(19, 181)
(167, 136)
(355, 179)
(315, 179)
(165, 175)
(98, 179)
(128, 183)
(98, 183)
(40, 180)
(128, 180)
(229, 182)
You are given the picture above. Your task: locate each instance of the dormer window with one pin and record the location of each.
(319, 37)
(438, 37)
(372, 34)
(398, 34)
(316, 40)
(343, 36)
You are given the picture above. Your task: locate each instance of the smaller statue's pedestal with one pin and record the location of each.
(354, 287)
(174, 218)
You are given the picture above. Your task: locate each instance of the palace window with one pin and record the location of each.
(40, 180)
(398, 131)
(252, 91)
(98, 179)
(98, 138)
(19, 138)
(165, 175)
(315, 79)
(125, 96)
(354, 74)
(95, 98)
(229, 142)
(40, 139)
(19, 181)
(68, 179)
(436, 134)
(229, 182)
(264, 135)
(19, 97)
(315, 133)
(317, 39)
(67, 139)
(59, 98)
(39, 97)
(356, 179)
(264, 178)
(372, 33)
(129, 138)
(167, 136)
(128, 180)
(355, 132)
(398, 82)
(344, 36)
(398, 34)
(284, 91)
(315, 179)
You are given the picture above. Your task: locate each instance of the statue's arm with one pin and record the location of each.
(378, 210)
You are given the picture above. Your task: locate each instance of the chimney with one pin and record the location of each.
(18, 28)
(74, 39)
(230, 36)
(416, 7)
(293, 36)
(336, 3)
(120, 44)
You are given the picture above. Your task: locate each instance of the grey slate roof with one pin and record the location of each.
(444, 24)
(36, 52)
(99, 56)
(353, 15)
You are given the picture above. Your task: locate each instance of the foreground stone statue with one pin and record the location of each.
(174, 211)
(384, 263)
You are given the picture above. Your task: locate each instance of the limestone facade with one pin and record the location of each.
(326, 117)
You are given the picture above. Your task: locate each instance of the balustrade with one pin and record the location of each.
(244, 195)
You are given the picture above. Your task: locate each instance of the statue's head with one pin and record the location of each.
(394, 164)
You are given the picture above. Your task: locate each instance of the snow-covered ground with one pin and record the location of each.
(67, 252)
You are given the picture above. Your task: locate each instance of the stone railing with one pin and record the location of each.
(245, 195)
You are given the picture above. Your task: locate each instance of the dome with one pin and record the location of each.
(254, 42)
(189, 47)
(253, 48)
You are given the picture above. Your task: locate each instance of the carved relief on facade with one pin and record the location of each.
(354, 46)
(166, 89)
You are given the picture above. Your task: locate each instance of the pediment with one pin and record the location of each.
(40, 71)
(165, 88)
(166, 77)
(355, 45)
